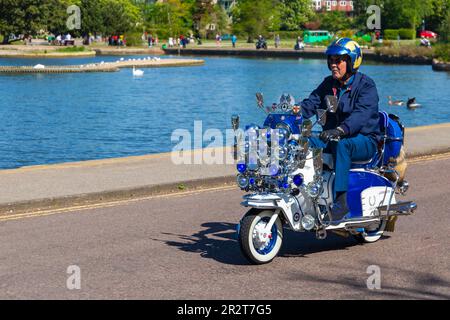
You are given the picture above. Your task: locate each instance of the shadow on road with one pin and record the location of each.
(302, 244)
(218, 241)
(396, 283)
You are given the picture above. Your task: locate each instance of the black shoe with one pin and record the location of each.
(339, 209)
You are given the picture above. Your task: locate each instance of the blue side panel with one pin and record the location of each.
(394, 141)
(358, 182)
(293, 121)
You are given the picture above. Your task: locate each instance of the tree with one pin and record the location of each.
(397, 14)
(206, 14)
(29, 17)
(173, 17)
(438, 16)
(252, 18)
(294, 14)
(334, 21)
(119, 16)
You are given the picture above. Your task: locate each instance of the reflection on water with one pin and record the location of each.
(70, 117)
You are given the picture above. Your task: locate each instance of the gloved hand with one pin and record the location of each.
(334, 134)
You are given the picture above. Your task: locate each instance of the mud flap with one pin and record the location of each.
(390, 225)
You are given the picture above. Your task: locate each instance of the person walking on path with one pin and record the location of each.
(277, 41)
(233, 40)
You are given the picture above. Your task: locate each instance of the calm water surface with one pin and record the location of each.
(71, 117)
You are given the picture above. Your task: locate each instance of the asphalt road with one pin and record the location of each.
(184, 247)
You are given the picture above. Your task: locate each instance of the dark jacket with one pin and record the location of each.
(357, 110)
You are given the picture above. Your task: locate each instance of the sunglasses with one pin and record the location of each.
(336, 59)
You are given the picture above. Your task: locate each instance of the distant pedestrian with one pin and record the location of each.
(233, 40)
(277, 41)
(218, 39)
(299, 45)
(150, 41)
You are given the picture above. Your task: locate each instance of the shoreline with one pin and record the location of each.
(50, 55)
(105, 67)
(308, 53)
(17, 51)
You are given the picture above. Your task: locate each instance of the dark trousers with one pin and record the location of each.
(359, 148)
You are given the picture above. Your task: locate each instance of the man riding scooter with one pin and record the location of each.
(352, 133)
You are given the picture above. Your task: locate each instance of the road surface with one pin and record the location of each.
(184, 247)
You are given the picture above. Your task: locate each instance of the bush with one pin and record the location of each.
(407, 34)
(391, 34)
(133, 39)
(442, 52)
(345, 34)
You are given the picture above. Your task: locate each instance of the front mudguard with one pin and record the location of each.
(288, 205)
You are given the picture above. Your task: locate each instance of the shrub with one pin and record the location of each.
(391, 34)
(407, 34)
(133, 39)
(442, 52)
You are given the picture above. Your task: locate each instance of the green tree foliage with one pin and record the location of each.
(119, 16)
(252, 18)
(397, 14)
(334, 21)
(206, 15)
(295, 13)
(172, 17)
(439, 19)
(29, 17)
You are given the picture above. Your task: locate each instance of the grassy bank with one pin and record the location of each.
(438, 51)
(72, 49)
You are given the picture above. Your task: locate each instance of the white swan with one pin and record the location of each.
(137, 73)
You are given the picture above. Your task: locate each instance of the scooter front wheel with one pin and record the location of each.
(258, 246)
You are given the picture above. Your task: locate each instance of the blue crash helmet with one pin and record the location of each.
(346, 46)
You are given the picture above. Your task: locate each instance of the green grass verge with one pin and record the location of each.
(71, 49)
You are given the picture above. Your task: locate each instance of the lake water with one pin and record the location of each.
(53, 118)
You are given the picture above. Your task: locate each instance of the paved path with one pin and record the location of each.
(183, 247)
(114, 179)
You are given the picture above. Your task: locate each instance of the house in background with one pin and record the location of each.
(327, 5)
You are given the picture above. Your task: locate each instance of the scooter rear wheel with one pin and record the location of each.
(371, 236)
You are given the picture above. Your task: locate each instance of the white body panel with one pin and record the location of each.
(372, 198)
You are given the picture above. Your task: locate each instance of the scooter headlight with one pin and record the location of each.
(313, 190)
(242, 181)
(308, 222)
